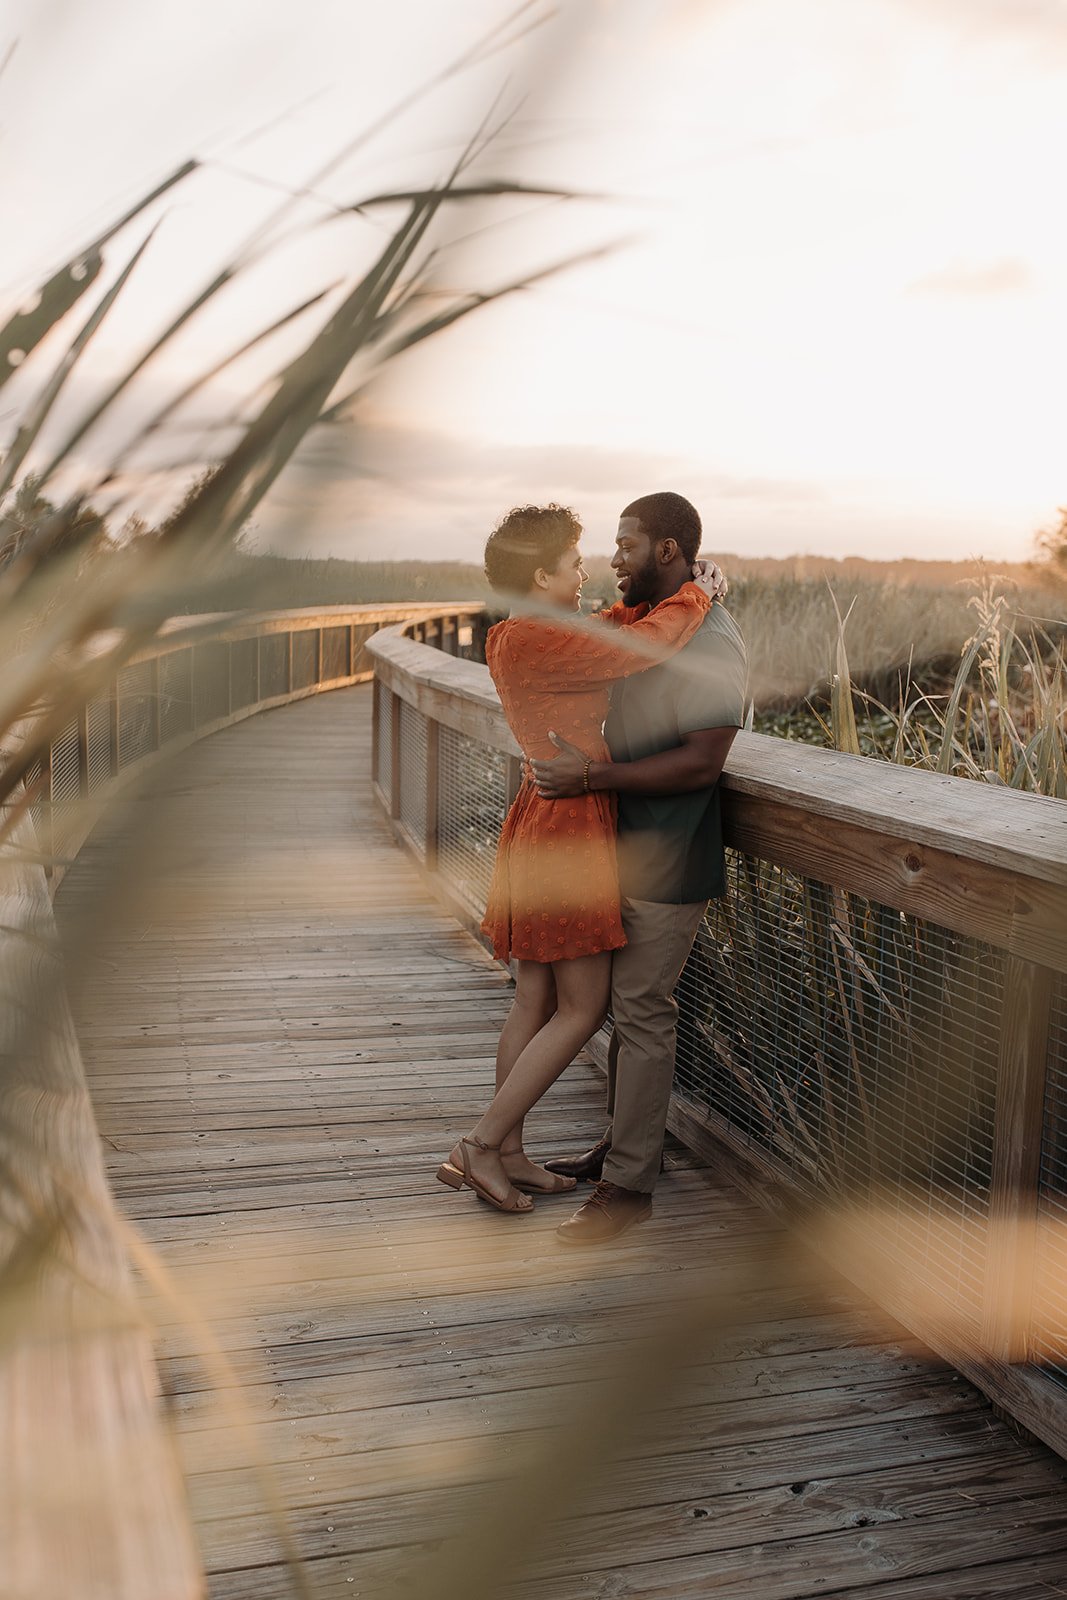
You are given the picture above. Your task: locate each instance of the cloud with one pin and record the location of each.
(994, 277)
(422, 492)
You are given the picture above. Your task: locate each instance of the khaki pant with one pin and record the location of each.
(641, 1060)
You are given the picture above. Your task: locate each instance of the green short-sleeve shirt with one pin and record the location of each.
(670, 846)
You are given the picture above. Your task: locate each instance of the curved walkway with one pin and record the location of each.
(283, 1032)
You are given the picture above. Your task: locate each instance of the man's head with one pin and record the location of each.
(657, 543)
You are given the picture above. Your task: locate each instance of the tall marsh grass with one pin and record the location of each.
(1000, 717)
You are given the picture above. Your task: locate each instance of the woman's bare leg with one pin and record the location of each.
(582, 989)
(533, 1005)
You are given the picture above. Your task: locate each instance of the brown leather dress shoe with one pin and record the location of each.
(587, 1167)
(608, 1212)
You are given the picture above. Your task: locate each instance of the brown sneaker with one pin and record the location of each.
(608, 1212)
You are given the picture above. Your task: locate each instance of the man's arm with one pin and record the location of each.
(696, 763)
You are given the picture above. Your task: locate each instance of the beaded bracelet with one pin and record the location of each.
(585, 777)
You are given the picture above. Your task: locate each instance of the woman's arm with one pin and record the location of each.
(564, 657)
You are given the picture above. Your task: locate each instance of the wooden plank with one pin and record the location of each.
(633, 1507)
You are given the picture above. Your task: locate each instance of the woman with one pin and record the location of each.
(554, 898)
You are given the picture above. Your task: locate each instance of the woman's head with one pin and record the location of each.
(534, 550)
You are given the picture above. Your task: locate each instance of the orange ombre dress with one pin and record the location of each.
(555, 888)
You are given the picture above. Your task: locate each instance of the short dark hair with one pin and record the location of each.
(668, 516)
(527, 538)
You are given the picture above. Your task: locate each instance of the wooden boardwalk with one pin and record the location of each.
(283, 1033)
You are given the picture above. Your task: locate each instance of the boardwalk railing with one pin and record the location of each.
(873, 1022)
(202, 674)
(93, 1502)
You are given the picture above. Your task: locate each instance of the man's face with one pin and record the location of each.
(634, 562)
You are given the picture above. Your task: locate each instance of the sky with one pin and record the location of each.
(834, 313)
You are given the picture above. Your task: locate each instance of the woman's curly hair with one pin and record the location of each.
(527, 538)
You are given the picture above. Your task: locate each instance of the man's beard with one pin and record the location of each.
(642, 585)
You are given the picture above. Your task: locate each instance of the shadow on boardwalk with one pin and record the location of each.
(282, 1036)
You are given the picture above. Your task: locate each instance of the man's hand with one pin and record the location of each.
(561, 778)
(710, 577)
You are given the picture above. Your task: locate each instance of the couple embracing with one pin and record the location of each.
(613, 845)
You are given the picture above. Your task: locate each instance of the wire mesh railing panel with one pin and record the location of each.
(857, 1048)
(413, 772)
(175, 695)
(334, 654)
(1049, 1317)
(273, 665)
(211, 682)
(384, 751)
(66, 785)
(361, 661)
(137, 712)
(99, 752)
(472, 782)
(305, 658)
(244, 673)
(32, 781)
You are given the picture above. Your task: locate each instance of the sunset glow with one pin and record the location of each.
(837, 323)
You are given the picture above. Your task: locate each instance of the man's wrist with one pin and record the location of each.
(600, 774)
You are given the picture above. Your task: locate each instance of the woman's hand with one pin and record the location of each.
(710, 578)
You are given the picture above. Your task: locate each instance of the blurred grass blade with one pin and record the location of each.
(488, 188)
(184, 395)
(445, 319)
(25, 330)
(38, 415)
(233, 491)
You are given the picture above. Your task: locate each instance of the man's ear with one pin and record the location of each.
(668, 549)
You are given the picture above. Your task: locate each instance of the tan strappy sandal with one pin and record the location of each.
(450, 1174)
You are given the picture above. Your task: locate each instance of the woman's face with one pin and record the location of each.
(563, 588)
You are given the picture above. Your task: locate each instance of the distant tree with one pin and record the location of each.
(1052, 544)
(33, 526)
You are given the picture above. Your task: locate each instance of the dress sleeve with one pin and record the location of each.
(565, 658)
(619, 615)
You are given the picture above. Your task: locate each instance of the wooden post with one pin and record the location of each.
(289, 664)
(1021, 1074)
(375, 731)
(448, 635)
(318, 655)
(394, 775)
(433, 757)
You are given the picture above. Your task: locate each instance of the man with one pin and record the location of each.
(669, 732)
